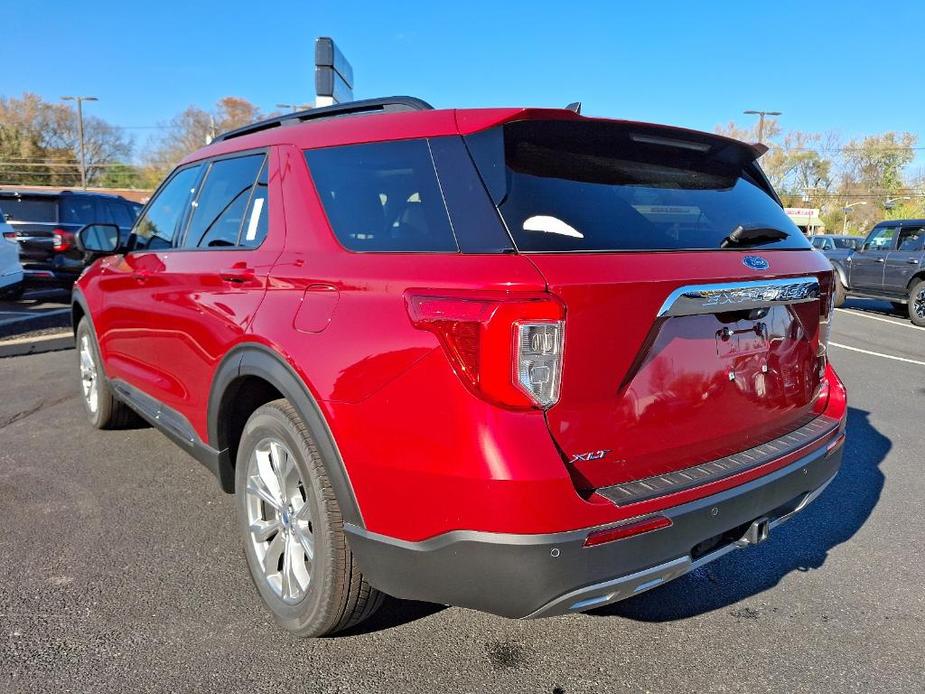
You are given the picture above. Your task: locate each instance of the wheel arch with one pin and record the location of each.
(260, 374)
(79, 310)
(842, 273)
(917, 277)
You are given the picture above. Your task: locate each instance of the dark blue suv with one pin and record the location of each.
(45, 224)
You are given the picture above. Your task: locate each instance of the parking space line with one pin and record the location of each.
(879, 318)
(877, 354)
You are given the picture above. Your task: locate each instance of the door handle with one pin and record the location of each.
(912, 261)
(238, 275)
(881, 260)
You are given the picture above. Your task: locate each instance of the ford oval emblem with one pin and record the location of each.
(755, 262)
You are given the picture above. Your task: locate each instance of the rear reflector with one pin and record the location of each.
(646, 525)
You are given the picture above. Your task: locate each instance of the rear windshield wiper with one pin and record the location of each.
(753, 236)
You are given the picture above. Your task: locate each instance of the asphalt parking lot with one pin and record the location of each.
(120, 570)
(37, 310)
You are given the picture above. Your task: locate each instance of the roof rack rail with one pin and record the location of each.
(389, 104)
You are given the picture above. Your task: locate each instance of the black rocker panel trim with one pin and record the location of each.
(168, 421)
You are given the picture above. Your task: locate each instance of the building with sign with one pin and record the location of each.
(807, 218)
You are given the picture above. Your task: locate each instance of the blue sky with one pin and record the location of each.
(844, 66)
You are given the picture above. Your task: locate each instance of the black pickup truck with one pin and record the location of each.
(889, 265)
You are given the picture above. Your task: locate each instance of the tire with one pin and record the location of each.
(104, 410)
(840, 293)
(899, 307)
(13, 293)
(916, 306)
(308, 597)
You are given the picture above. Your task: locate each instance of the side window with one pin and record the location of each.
(156, 229)
(104, 212)
(255, 219)
(78, 209)
(911, 238)
(382, 196)
(121, 214)
(818, 243)
(880, 239)
(223, 199)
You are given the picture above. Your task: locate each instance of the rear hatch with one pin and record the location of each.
(34, 218)
(686, 339)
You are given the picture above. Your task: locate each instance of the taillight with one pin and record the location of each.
(506, 349)
(826, 309)
(9, 235)
(62, 240)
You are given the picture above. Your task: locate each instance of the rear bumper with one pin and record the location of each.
(49, 275)
(10, 279)
(552, 574)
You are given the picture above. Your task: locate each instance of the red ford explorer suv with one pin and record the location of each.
(517, 360)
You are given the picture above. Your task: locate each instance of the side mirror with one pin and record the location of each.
(98, 238)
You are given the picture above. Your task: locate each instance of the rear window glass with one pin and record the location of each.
(383, 196)
(30, 209)
(566, 186)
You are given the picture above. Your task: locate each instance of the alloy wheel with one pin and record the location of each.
(918, 304)
(279, 520)
(89, 378)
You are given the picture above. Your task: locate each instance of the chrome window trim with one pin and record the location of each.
(697, 299)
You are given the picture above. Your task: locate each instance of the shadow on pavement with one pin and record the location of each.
(875, 307)
(802, 544)
(393, 613)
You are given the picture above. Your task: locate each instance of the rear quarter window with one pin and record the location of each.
(383, 196)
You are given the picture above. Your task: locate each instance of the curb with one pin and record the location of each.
(37, 345)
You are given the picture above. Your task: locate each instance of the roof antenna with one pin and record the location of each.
(575, 106)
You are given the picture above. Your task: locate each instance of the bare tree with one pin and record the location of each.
(195, 127)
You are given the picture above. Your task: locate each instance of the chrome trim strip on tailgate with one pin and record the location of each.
(679, 480)
(699, 299)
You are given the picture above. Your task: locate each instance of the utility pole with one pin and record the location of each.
(80, 133)
(761, 115)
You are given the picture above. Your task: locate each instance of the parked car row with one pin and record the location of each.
(889, 264)
(43, 226)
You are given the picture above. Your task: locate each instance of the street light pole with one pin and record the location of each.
(847, 209)
(80, 133)
(888, 203)
(761, 115)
